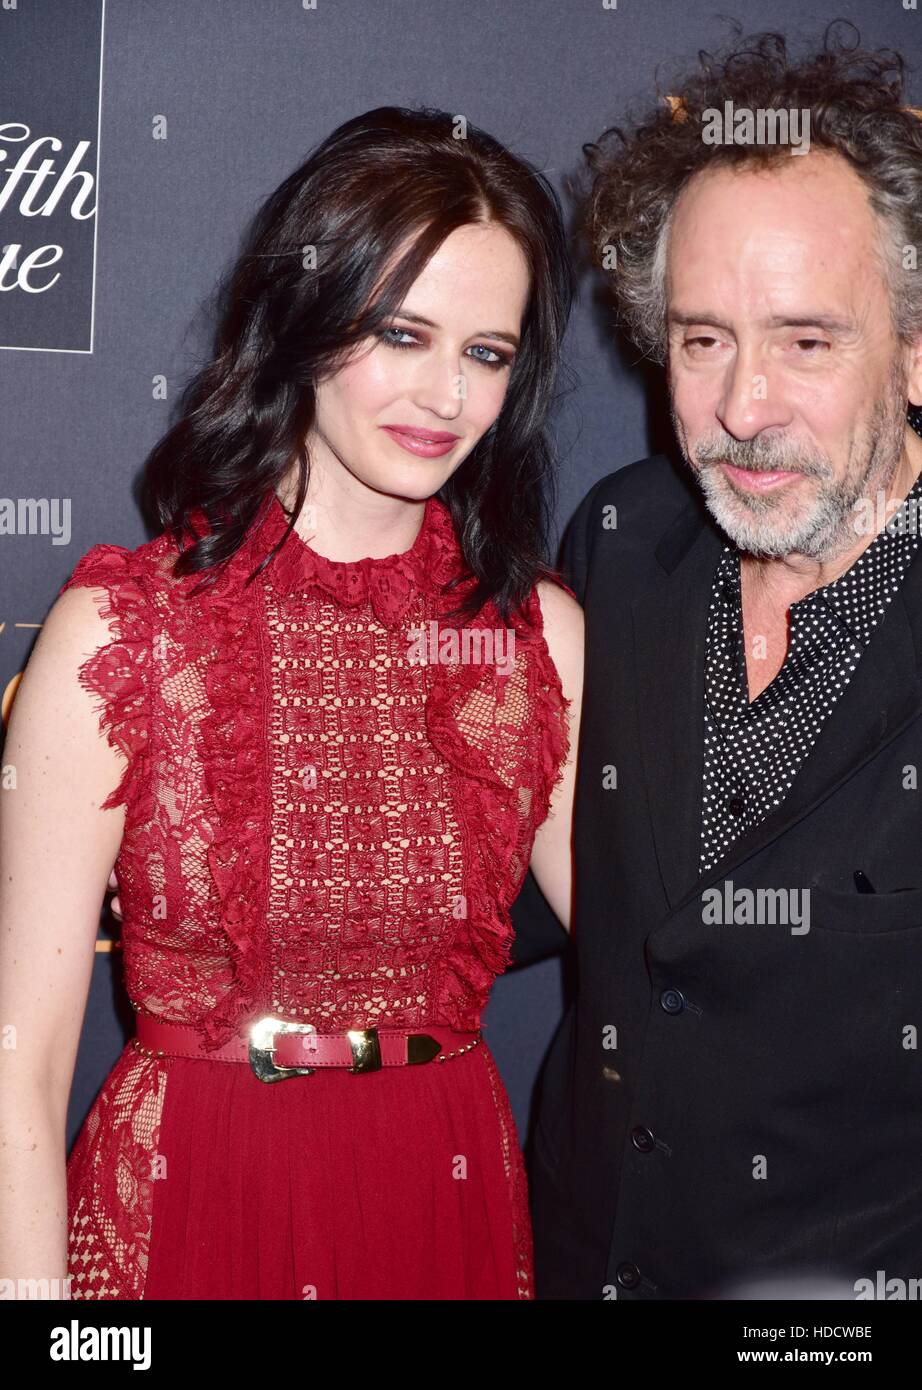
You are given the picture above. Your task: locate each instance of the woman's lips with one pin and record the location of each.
(759, 482)
(421, 445)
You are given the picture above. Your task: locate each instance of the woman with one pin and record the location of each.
(327, 795)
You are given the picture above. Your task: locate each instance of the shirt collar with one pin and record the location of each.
(860, 595)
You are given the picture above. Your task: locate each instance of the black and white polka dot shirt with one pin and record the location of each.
(752, 751)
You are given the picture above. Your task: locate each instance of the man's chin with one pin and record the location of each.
(751, 531)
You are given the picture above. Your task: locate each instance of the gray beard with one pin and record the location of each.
(827, 527)
(824, 531)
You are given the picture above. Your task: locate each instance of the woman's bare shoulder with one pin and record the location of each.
(564, 631)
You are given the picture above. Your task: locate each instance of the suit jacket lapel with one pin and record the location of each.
(670, 626)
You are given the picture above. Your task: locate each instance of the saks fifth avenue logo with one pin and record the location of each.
(40, 184)
(431, 645)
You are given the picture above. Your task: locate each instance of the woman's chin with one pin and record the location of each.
(416, 482)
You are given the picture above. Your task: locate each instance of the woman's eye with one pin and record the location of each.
(492, 359)
(391, 342)
(497, 359)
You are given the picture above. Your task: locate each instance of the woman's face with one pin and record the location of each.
(440, 366)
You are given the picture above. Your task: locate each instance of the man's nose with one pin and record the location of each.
(753, 399)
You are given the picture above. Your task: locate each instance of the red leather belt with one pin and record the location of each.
(276, 1048)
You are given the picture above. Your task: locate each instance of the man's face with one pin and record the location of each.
(787, 383)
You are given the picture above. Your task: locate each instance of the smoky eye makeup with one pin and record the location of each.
(502, 359)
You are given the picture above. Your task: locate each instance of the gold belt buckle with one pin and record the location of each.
(365, 1044)
(366, 1049)
(262, 1048)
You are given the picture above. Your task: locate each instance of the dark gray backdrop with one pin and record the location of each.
(246, 89)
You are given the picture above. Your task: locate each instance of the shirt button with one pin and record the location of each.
(642, 1138)
(628, 1276)
(672, 1000)
(736, 805)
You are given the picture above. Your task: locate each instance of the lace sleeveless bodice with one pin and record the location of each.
(317, 824)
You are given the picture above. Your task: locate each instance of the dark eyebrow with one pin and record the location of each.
(487, 333)
(829, 322)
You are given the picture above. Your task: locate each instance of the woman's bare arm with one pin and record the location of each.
(552, 855)
(56, 851)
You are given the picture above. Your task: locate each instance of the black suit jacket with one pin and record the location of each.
(727, 1101)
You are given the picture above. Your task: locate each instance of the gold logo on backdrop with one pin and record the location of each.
(9, 695)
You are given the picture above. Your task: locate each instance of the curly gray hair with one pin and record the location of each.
(854, 102)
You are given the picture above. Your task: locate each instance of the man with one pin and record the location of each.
(735, 1094)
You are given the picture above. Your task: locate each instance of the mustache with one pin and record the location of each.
(760, 457)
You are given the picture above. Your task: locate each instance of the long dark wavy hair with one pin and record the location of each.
(390, 176)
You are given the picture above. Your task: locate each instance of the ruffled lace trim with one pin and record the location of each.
(509, 770)
(391, 583)
(117, 673)
(235, 764)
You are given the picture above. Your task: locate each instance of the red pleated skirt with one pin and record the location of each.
(406, 1183)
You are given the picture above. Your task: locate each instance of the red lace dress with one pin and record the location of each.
(320, 827)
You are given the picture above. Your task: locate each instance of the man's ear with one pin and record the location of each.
(915, 373)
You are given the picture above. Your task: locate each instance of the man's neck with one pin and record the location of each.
(781, 582)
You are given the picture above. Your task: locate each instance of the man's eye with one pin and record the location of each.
(812, 343)
(699, 342)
